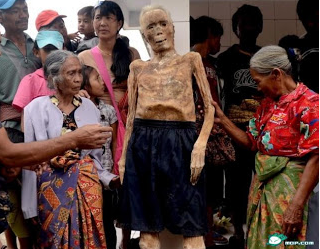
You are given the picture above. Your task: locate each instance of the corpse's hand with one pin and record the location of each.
(197, 162)
(292, 220)
(121, 164)
(91, 136)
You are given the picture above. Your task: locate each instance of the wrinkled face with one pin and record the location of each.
(106, 27)
(85, 25)
(71, 73)
(158, 30)
(266, 83)
(97, 87)
(16, 18)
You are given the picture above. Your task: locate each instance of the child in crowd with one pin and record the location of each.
(34, 85)
(96, 88)
(85, 27)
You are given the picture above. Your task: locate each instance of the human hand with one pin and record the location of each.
(115, 183)
(91, 136)
(121, 164)
(219, 114)
(197, 162)
(83, 93)
(292, 220)
(75, 37)
(43, 167)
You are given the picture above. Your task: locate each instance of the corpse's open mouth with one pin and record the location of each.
(161, 41)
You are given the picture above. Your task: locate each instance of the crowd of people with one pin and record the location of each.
(233, 135)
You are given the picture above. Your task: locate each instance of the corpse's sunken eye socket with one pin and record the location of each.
(158, 30)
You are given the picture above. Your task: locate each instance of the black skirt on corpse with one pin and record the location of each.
(157, 192)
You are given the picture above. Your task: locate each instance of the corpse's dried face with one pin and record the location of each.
(158, 30)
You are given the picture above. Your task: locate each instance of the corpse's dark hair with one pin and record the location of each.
(121, 54)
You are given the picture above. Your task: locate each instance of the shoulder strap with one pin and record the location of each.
(105, 76)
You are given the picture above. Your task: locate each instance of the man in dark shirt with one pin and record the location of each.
(240, 90)
(308, 12)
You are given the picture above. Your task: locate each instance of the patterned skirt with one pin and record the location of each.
(70, 207)
(268, 200)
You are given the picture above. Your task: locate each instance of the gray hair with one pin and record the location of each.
(52, 66)
(148, 8)
(270, 57)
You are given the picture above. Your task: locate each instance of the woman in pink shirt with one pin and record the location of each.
(35, 85)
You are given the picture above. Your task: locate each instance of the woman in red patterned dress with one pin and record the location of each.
(285, 134)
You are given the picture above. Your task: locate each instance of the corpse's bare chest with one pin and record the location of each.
(165, 82)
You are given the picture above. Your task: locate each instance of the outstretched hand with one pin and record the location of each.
(91, 136)
(197, 162)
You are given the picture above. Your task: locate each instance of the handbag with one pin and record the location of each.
(219, 149)
(121, 129)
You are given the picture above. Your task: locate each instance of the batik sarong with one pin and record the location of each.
(70, 207)
(269, 198)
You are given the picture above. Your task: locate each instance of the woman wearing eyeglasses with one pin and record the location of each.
(117, 55)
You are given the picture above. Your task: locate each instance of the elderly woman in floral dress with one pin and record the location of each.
(285, 134)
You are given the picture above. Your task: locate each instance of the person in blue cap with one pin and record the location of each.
(17, 58)
(34, 85)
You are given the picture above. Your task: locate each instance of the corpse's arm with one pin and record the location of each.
(198, 152)
(132, 102)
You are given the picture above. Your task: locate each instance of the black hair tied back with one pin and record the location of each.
(122, 58)
(294, 57)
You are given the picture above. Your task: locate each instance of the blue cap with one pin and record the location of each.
(6, 4)
(46, 37)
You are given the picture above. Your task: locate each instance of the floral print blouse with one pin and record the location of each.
(69, 124)
(288, 127)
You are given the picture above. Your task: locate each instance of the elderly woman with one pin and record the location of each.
(284, 132)
(69, 191)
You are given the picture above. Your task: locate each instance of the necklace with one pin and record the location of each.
(104, 52)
